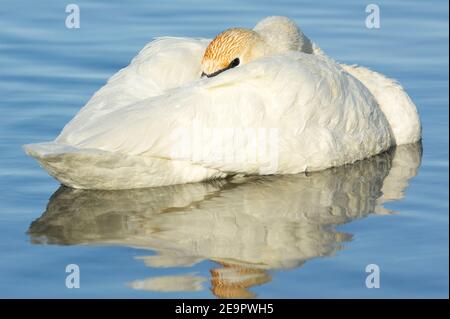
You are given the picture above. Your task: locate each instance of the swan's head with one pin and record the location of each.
(238, 46)
(230, 49)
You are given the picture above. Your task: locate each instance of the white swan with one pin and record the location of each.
(261, 101)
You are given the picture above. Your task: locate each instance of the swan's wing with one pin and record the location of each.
(282, 114)
(162, 64)
(395, 103)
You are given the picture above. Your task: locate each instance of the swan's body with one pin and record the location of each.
(287, 108)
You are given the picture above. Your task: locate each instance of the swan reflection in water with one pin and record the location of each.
(247, 226)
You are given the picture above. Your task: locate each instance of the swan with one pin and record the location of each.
(249, 102)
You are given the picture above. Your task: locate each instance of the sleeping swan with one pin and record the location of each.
(261, 101)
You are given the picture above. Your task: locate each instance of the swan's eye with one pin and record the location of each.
(234, 63)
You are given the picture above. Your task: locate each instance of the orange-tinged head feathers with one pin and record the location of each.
(234, 47)
(229, 49)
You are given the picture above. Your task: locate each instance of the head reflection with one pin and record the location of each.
(247, 226)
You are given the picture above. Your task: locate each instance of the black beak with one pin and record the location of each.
(233, 64)
(215, 73)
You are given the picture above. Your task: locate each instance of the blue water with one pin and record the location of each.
(287, 237)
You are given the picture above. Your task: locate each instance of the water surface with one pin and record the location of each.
(270, 237)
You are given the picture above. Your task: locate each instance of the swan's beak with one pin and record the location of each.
(213, 74)
(230, 66)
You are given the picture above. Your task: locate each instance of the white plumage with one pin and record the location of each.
(156, 122)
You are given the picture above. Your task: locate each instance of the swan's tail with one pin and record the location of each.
(395, 103)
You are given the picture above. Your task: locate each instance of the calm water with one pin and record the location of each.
(291, 236)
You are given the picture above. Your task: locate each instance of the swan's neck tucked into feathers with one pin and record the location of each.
(238, 46)
(282, 34)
